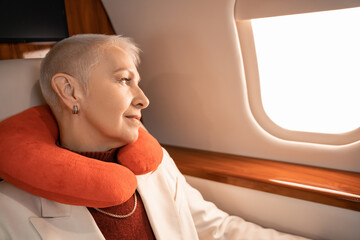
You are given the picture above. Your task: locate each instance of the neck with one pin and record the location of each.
(78, 135)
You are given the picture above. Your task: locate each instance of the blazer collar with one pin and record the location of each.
(62, 221)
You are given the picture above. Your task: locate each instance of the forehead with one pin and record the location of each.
(114, 58)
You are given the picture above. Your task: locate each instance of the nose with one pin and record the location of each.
(140, 100)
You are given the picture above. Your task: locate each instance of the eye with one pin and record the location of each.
(124, 80)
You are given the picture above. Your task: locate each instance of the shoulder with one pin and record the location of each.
(168, 162)
(19, 206)
(13, 198)
(167, 174)
(168, 166)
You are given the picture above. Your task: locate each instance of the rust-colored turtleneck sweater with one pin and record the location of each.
(136, 226)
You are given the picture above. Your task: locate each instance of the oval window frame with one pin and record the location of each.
(251, 72)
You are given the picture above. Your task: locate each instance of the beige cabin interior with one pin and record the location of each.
(193, 72)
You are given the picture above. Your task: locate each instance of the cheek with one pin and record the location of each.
(111, 112)
(108, 103)
(111, 107)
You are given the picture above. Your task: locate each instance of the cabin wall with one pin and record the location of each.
(83, 16)
(192, 72)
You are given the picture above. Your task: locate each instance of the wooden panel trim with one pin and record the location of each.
(321, 185)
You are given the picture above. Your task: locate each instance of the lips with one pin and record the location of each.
(137, 117)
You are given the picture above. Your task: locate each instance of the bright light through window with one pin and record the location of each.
(309, 68)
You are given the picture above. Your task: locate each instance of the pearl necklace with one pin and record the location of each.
(119, 216)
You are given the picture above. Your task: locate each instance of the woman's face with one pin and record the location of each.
(113, 103)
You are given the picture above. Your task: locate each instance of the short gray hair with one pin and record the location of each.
(76, 56)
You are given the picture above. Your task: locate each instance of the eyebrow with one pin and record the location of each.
(120, 70)
(126, 69)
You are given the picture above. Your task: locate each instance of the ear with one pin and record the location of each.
(68, 89)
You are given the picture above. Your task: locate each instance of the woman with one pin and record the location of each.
(135, 191)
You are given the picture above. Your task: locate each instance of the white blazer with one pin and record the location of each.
(175, 211)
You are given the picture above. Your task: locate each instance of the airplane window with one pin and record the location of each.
(309, 69)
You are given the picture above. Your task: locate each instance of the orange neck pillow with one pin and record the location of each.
(31, 160)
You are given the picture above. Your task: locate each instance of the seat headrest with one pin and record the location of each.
(19, 86)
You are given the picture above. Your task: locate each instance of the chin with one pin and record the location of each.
(132, 137)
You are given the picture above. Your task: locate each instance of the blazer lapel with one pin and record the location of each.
(159, 205)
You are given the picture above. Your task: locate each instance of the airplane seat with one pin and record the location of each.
(19, 86)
